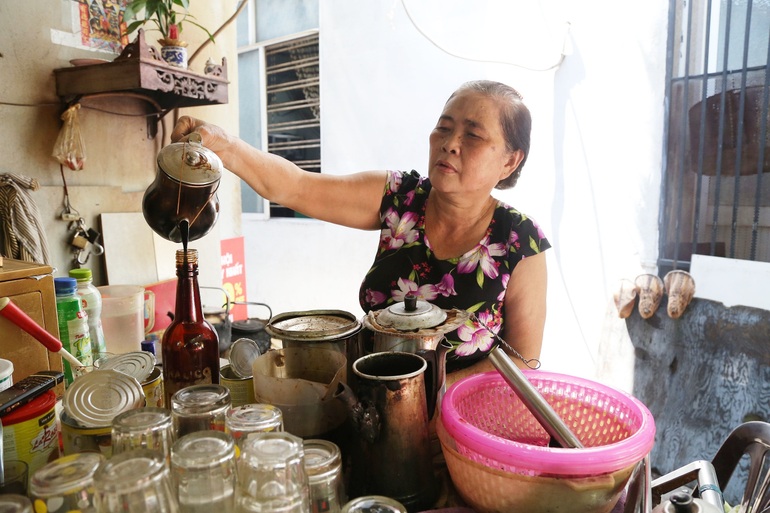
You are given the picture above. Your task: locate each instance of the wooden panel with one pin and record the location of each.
(30, 287)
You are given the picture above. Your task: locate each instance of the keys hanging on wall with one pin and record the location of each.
(84, 242)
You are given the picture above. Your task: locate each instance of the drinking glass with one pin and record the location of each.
(323, 464)
(200, 408)
(66, 484)
(143, 428)
(203, 472)
(15, 503)
(135, 481)
(15, 477)
(241, 421)
(271, 475)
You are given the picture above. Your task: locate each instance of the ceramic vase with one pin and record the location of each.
(174, 55)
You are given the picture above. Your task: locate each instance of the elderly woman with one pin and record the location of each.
(443, 237)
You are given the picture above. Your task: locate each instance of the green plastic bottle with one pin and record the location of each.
(73, 325)
(91, 299)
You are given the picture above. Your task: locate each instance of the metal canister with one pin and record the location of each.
(336, 330)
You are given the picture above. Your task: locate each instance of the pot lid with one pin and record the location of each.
(189, 162)
(411, 314)
(314, 325)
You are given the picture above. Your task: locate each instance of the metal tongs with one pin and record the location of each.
(534, 401)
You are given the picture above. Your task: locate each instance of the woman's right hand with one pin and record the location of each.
(213, 137)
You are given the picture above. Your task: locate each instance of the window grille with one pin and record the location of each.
(293, 105)
(715, 194)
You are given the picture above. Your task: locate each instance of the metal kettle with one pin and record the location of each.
(184, 191)
(415, 326)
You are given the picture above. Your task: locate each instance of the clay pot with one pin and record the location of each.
(680, 287)
(651, 290)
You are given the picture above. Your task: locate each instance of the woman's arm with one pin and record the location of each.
(524, 316)
(525, 305)
(350, 200)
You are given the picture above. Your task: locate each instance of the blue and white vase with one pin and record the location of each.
(174, 55)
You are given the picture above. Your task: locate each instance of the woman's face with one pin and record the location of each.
(467, 147)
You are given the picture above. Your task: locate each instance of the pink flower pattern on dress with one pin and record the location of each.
(399, 230)
(476, 281)
(484, 255)
(475, 337)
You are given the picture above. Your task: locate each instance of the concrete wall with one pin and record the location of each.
(38, 36)
(592, 179)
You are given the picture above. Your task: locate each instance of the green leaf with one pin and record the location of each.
(475, 308)
(533, 245)
(480, 276)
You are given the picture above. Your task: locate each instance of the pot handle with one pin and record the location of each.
(435, 374)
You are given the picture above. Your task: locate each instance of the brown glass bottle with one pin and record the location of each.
(190, 344)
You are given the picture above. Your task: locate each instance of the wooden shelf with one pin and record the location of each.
(139, 69)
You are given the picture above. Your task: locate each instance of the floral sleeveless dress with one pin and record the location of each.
(475, 282)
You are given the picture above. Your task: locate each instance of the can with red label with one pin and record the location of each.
(31, 432)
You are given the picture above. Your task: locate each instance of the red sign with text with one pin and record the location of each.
(234, 275)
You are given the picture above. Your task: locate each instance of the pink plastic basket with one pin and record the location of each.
(490, 425)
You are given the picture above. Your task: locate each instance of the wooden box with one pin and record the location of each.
(30, 287)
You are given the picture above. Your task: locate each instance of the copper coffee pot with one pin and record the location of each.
(184, 191)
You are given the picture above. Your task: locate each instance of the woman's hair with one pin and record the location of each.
(515, 120)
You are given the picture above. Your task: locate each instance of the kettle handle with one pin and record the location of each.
(435, 374)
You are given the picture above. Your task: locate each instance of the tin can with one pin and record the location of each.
(153, 388)
(94, 399)
(78, 438)
(138, 364)
(31, 434)
(241, 389)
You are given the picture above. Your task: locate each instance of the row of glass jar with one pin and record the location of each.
(243, 469)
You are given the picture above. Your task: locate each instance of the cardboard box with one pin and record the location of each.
(30, 287)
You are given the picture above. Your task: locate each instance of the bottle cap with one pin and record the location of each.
(65, 285)
(81, 274)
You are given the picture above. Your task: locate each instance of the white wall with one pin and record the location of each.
(592, 179)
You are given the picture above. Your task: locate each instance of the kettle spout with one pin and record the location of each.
(366, 418)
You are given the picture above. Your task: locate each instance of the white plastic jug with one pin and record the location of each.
(123, 316)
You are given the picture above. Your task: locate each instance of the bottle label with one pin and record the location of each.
(79, 345)
(177, 379)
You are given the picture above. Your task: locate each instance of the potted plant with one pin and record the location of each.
(167, 16)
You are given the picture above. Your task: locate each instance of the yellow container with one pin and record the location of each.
(31, 434)
(241, 389)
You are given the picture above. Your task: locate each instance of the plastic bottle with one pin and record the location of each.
(91, 299)
(73, 325)
(190, 345)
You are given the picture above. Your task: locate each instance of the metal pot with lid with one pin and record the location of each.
(184, 190)
(411, 325)
(335, 330)
(419, 327)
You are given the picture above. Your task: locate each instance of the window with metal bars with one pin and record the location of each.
(716, 197)
(293, 105)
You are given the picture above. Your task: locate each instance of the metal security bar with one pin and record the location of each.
(294, 105)
(715, 197)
